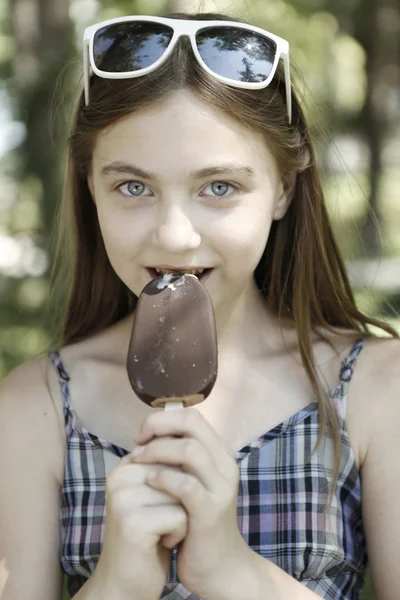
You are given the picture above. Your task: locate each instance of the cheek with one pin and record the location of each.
(243, 236)
(119, 231)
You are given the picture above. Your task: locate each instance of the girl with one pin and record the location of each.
(189, 150)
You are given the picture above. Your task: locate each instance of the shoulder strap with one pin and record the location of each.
(55, 360)
(348, 364)
(346, 374)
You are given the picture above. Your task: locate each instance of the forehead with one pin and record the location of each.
(183, 128)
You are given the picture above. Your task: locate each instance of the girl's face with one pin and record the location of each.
(184, 186)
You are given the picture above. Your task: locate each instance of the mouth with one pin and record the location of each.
(201, 274)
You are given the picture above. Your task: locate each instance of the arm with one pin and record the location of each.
(376, 406)
(380, 474)
(188, 441)
(95, 590)
(31, 470)
(31, 455)
(214, 562)
(261, 579)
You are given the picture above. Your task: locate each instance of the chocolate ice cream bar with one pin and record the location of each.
(173, 354)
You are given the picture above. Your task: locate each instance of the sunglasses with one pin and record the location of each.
(236, 54)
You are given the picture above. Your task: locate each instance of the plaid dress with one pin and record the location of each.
(281, 500)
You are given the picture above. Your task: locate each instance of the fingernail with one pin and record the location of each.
(138, 450)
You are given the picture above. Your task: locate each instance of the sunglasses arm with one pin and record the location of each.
(86, 70)
(288, 86)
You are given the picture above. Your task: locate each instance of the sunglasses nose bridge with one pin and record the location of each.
(185, 34)
(189, 36)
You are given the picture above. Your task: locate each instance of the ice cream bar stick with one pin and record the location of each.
(173, 405)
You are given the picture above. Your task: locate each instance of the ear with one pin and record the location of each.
(285, 195)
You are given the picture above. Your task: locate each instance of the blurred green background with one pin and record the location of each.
(346, 55)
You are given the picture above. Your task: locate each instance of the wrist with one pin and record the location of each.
(104, 587)
(238, 577)
(246, 582)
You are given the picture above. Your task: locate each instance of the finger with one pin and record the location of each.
(184, 487)
(187, 423)
(187, 453)
(173, 539)
(128, 487)
(127, 473)
(159, 521)
(125, 460)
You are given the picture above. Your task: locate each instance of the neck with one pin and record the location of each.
(246, 329)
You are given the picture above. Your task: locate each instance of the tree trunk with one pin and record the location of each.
(375, 25)
(374, 30)
(43, 45)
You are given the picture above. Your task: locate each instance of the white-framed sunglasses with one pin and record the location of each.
(236, 54)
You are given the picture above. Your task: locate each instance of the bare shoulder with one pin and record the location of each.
(26, 406)
(25, 388)
(374, 392)
(31, 462)
(378, 370)
(375, 397)
(31, 399)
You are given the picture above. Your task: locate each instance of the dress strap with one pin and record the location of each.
(346, 374)
(55, 360)
(348, 364)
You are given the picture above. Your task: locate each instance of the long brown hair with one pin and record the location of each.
(301, 273)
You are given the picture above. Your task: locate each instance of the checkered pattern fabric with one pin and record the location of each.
(282, 496)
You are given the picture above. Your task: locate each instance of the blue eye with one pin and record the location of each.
(133, 188)
(217, 185)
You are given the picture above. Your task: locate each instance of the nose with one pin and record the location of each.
(174, 231)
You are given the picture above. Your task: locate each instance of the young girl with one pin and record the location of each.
(189, 151)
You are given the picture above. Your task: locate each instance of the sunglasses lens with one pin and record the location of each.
(236, 53)
(124, 47)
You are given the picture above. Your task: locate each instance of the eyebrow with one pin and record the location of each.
(231, 168)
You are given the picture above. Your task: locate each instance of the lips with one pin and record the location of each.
(203, 277)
